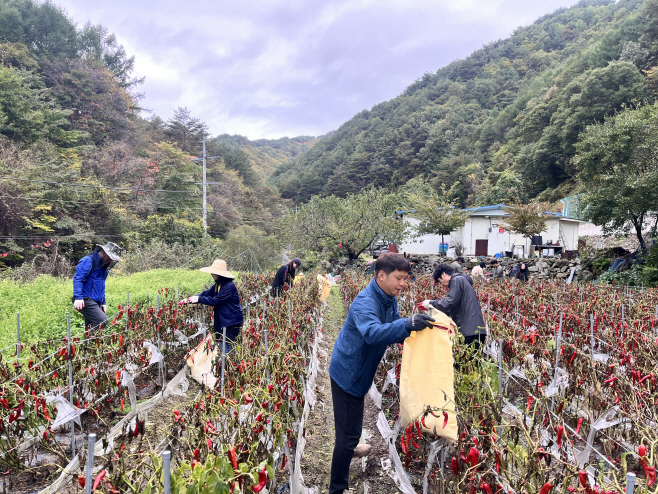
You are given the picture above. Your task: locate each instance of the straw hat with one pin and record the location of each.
(218, 267)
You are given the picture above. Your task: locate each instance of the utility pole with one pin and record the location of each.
(204, 183)
(205, 209)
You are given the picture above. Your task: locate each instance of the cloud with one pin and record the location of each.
(273, 68)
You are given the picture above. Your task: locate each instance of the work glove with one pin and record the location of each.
(424, 305)
(418, 322)
(104, 308)
(194, 299)
(78, 305)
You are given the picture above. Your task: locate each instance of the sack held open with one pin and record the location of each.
(427, 378)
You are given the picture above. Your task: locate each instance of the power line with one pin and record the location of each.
(127, 189)
(99, 203)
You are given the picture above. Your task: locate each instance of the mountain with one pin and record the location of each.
(503, 121)
(267, 155)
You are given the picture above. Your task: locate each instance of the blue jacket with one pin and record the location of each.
(227, 308)
(372, 324)
(89, 279)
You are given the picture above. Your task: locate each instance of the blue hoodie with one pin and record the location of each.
(372, 324)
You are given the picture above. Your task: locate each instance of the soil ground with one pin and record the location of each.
(366, 474)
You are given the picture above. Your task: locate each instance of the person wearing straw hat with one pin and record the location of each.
(285, 276)
(89, 284)
(225, 300)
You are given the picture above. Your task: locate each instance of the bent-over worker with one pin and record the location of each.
(372, 323)
(285, 276)
(89, 284)
(461, 304)
(224, 298)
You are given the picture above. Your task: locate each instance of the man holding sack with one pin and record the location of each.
(373, 323)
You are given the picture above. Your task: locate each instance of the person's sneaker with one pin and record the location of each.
(362, 450)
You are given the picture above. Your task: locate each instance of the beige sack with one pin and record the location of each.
(427, 377)
(325, 288)
(200, 360)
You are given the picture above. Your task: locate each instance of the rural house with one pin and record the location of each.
(484, 234)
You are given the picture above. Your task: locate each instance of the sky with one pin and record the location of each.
(274, 68)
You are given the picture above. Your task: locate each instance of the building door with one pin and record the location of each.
(481, 247)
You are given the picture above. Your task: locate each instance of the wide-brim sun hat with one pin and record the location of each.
(112, 250)
(219, 268)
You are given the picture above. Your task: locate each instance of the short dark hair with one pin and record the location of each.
(460, 259)
(494, 262)
(442, 268)
(389, 262)
(483, 264)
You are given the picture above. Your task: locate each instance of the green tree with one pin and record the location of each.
(618, 164)
(186, 131)
(437, 213)
(527, 219)
(355, 222)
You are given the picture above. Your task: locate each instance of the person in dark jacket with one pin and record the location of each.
(372, 324)
(514, 273)
(461, 304)
(224, 298)
(285, 276)
(524, 273)
(89, 284)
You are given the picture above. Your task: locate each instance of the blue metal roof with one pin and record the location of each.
(482, 208)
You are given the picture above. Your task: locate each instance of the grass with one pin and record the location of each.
(44, 303)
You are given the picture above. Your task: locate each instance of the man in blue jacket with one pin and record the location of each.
(372, 323)
(89, 284)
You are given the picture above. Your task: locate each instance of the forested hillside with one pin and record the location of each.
(503, 121)
(81, 163)
(267, 155)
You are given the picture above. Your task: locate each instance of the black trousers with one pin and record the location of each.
(348, 421)
(93, 314)
(476, 340)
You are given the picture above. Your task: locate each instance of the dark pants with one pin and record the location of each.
(476, 340)
(93, 314)
(348, 422)
(232, 333)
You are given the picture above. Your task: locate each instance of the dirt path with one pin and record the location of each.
(366, 475)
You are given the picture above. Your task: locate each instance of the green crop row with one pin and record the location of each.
(44, 303)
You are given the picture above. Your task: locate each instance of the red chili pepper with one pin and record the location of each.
(485, 487)
(530, 400)
(262, 480)
(560, 432)
(445, 420)
(122, 404)
(642, 450)
(473, 457)
(582, 475)
(196, 454)
(579, 425)
(422, 421)
(81, 481)
(233, 459)
(117, 378)
(498, 461)
(454, 464)
(136, 432)
(209, 444)
(418, 429)
(246, 398)
(98, 479)
(283, 464)
(546, 488)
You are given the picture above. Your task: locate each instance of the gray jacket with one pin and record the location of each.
(499, 273)
(462, 305)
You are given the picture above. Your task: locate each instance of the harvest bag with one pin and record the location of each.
(427, 377)
(200, 361)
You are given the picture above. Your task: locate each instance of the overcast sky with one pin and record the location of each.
(270, 68)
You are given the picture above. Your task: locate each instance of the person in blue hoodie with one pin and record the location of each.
(224, 298)
(372, 324)
(89, 284)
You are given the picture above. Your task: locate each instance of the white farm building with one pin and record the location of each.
(484, 234)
